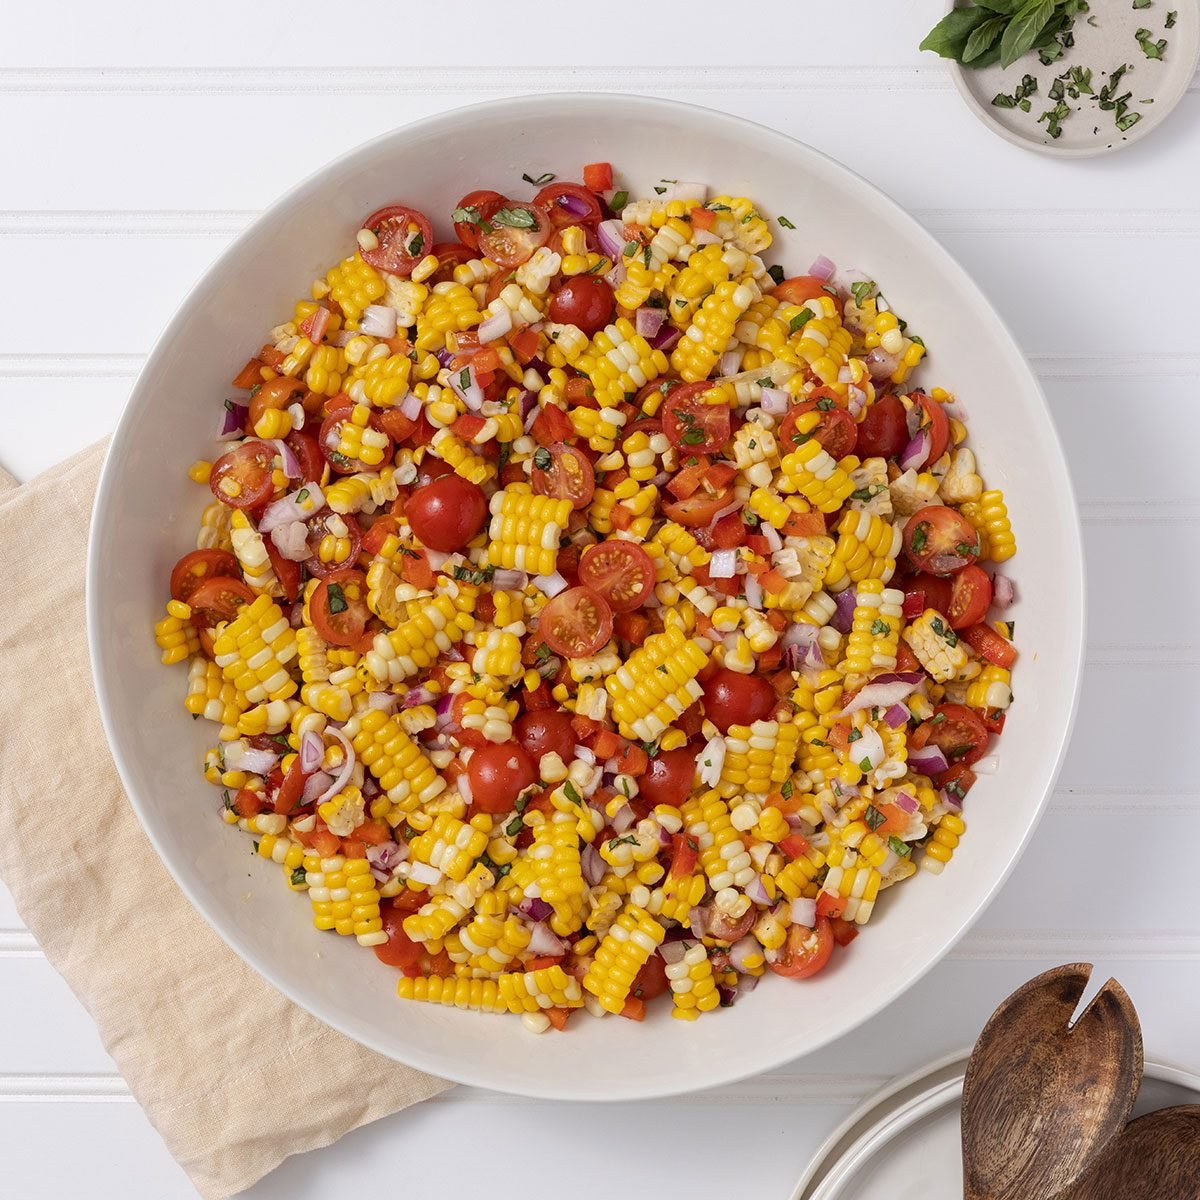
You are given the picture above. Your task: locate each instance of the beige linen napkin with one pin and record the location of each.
(233, 1075)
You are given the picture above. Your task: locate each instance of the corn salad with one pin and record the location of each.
(589, 611)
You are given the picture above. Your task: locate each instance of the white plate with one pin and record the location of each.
(147, 510)
(1102, 47)
(903, 1143)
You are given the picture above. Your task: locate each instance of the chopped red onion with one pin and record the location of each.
(437, 559)
(291, 540)
(612, 238)
(747, 983)
(743, 952)
(711, 760)
(774, 401)
(845, 375)
(420, 872)
(754, 591)
(673, 952)
(585, 755)
(535, 908)
(733, 506)
(287, 509)
(470, 393)
(801, 647)
(843, 615)
(241, 757)
(379, 320)
(291, 463)
(417, 695)
(916, 452)
(550, 584)
(496, 326)
(314, 786)
(383, 701)
(624, 819)
(233, 421)
(648, 321)
(686, 191)
(757, 892)
(856, 400)
(704, 237)
(880, 363)
(723, 564)
(804, 912)
(896, 715)
(869, 747)
(729, 363)
(768, 531)
(822, 268)
(527, 401)
(592, 864)
(343, 337)
(1004, 591)
(929, 760)
(665, 338)
(312, 751)
(951, 800)
(344, 772)
(912, 419)
(411, 406)
(616, 276)
(543, 941)
(508, 579)
(698, 919)
(384, 856)
(883, 691)
(906, 803)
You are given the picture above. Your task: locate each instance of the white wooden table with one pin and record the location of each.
(138, 139)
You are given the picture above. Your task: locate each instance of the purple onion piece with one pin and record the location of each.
(843, 616)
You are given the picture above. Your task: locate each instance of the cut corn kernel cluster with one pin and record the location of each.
(477, 581)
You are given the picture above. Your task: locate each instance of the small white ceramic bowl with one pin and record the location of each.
(146, 514)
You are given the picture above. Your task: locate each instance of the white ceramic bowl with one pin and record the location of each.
(146, 512)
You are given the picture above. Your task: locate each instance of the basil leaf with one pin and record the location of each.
(514, 218)
(983, 38)
(948, 37)
(1023, 30)
(541, 179)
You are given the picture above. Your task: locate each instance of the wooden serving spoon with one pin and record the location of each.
(1156, 1157)
(1042, 1098)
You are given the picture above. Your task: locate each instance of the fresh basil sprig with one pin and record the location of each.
(1002, 31)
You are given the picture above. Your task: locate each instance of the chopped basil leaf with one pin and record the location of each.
(229, 405)
(718, 208)
(514, 826)
(1171, 17)
(646, 256)
(619, 200)
(476, 577)
(776, 273)
(301, 495)
(862, 291)
(824, 404)
(651, 749)
(467, 216)
(785, 222)
(1150, 49)
(937, 718)
(464, 378)
(542, 459)
(570, 792)
(800, 320)
(693, 437)
(1142, 3)
(299, 876)
(628, 840)
(540, 180)
(787, 789)
(417, 244)
(660, 190)
(920, 537)
(880, 628)
(898, 847)
(854, 735)
(916, 341)
(228, 799)
(542, 653)
(515, 218)
(337, 598)
(968, 550)
(873, 817)
(864, 765)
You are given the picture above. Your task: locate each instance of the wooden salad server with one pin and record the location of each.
(1156, 1157)
(1042, 1097)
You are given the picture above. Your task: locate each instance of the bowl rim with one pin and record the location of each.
(734, 1068)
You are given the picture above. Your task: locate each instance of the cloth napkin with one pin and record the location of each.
(232, 1074)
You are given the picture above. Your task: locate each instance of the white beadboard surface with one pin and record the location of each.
(139, 139)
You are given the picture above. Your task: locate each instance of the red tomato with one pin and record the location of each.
(584, 300)
(447, 513)
(934, 593)
(844, 932)
(836, 432)
(694, 427)
(318, 527)
(622, 572)
(598, 176)
(279, 392)
(958, 732)
(513, 233)
(728, 532)
(970, 598)
(430, 469)
(729, 929)
(473, 210)
(684, 855)
(987, 643)
(305, 447)
(806, 951)
(198, 565)
(734, 699)
(668, 779)
(799, 288)
(242, 478)
(340, 618)
(576, 622)
(938, 424)
(940, 540)
(498, 773)
(546, 731)
(399, 950)
(291, 788)
(247, 802)
(699, 509)
(217, 598)
(551, 426)
(405, 237)
(286, 570)
(563, 472)
(958, 781)
(651, 980)
(883, 432)
(569, 204)
(449, 256)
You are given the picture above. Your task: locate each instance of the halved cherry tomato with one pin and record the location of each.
(598, 176)
(584, 300)
(699, 509)
(563, 472)
(694, 427)
(405, 237)
(938, 424)
(330, 438)
(958, 732)
(198, 565)
(731, 929)
(684, 854)
(622, 572)
(576, 622)
(569, 204)
(940, 540)
(249, 375)
(806, 951)
(280, 392)
(318, 527)
(242, 478)
(217, 598)
(287, 571)
(337, 615)
(447, 513)
(988, 644)
(304, 447)
(476, 208)
(514, 232)
(546, 731)
(498, 773)
(399, 950)
(970, 598)
(651, 980)
(883, 432)
(449, 256)
(931, 591)
(731, 698)
(799, 288)
(836, 431)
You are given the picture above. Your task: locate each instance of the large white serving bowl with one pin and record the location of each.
(146, 515)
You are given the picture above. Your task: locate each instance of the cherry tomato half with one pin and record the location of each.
(806, 951)
(970, 598)
(731, 929)
(933, 593)
(286, 570)
(668, 778)
(304, 446)
(694, 427)
(564, 473)
(584, 300)
(279, 392)
(498, 773)
(568, 204)
(513, 233)
(473, 210)
(405, 237)
(399, 950)
(799, 288)
(935, 420)
(447, 513)
(622, 572)
(988, 644)
(699, 509)
(198, 565)
(958, 732)
(318, 528)
(883, 431)
(217, 599)
(940, 540)
(836, 431)
(242, 478)
(449, 256)
(576, 622)
(546, 731)
(339, 608)
(651, 980)
(731, 698)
